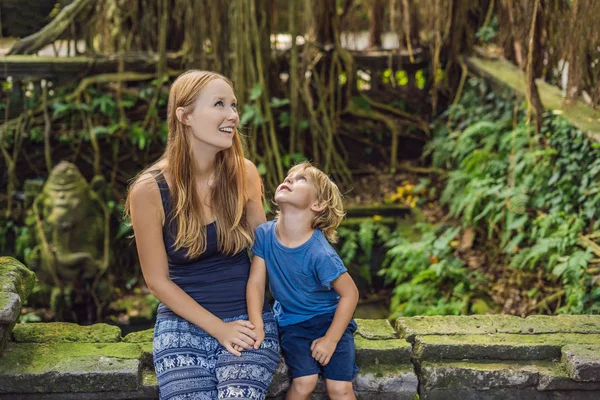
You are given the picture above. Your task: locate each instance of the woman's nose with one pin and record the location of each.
(233, 115)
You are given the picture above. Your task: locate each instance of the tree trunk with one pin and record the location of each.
(324, 13)
(34, 43)
(376, 15)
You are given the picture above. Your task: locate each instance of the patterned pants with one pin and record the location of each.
(191, 364)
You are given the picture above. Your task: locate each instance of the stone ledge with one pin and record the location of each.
(499, 346)
(145, 336)
(496, 380)
(409, 327)
(375, 329)
(63, 332)
(374, 352)
(582, 362)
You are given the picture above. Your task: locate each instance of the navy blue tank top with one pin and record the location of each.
(217, 281)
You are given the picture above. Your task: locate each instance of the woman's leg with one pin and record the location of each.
(184, 361)
(249, 376)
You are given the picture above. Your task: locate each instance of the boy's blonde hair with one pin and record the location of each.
(327, 192)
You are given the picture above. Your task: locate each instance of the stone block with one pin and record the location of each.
(145, 336)
(15, 277)
(480, 375)
(557, 378)
(383, 381)
(10, 308)
(505, 394)
(582, 362)
(69, 367)
(75, 374)
(390, 351)
(64, 332)
(375, 329)
(409, 327)
(499, 346)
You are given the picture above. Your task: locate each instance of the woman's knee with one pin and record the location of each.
(338, 389)
(305, 384)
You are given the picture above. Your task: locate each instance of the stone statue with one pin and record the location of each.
(72, 237)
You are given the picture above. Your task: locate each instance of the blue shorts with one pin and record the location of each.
(296, 340)
(191, 364)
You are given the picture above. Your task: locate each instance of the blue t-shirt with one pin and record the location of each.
(300, 277)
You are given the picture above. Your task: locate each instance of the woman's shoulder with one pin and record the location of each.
(252, 174)
(145, 190)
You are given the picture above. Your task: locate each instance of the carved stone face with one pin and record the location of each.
(67, 196)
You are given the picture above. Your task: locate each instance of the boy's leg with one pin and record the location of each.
(339, 390)
(341, 369)
(302, 387)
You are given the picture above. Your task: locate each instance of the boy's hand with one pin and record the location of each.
(322, 349)
(260, 334)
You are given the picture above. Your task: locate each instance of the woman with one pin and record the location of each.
(194, 213)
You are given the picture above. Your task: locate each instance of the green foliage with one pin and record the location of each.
(534, 194)
(429, 279)
(357, 245)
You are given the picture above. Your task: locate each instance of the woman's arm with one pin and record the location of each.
(255, 296)
(147, 219)
(254, 207)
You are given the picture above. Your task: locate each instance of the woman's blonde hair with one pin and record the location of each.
(228, 194)
(328, 194)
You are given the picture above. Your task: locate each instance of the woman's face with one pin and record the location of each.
(214, 118)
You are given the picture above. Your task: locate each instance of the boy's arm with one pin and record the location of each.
(346, 288)
(324, 347)
(255, 294)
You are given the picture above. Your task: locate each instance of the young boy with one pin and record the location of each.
(315, 297)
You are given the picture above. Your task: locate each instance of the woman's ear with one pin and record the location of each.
(181, 115)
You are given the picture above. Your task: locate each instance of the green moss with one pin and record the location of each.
(497, 346)
(140, 336)
(62, 332)
(385, 344)
(409, 327)
(388, 351)
(32, 358)
(375, 329)
(579, 114)
(149, 378)
(15, 278)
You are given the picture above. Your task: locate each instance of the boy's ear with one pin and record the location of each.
(318, 207)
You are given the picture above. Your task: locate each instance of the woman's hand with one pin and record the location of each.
(235, 335)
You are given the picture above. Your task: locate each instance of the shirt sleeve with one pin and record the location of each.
(329, 268)
(259, 238)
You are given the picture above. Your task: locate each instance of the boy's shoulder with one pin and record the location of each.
(265, 227)
(322, 245)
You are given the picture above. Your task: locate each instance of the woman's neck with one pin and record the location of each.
(203, 159)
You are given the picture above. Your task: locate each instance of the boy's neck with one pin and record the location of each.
(294, 227)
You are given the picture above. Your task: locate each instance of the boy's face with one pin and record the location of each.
(297, 190)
